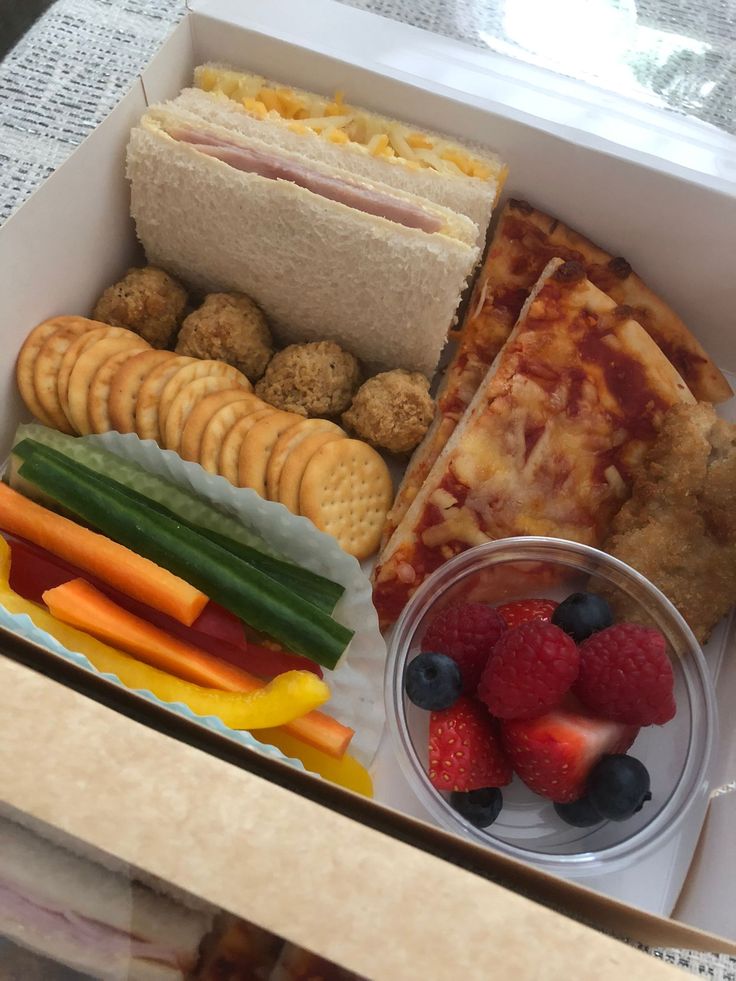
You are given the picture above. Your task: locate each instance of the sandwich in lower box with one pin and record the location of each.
(61, 909)
(90, 918)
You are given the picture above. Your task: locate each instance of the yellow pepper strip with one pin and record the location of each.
(345, 772)
(289, 696)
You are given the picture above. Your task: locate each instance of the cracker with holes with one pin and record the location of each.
(98, 400)
(257, 447)
(220, 424)
(187, 398)
(72, 355)
(202, 413)
(346, 491)
(126, 385)
(50, 341)
(84, 371)
(230, 450)
(295, 465)
(191, 372)
(289, 441)
(149, 396)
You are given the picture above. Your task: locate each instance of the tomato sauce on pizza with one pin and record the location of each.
(550, 441)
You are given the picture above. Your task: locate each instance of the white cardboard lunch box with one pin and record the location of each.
(658, 189)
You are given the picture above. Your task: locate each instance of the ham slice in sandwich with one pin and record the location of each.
(80, 914)
(327, 254)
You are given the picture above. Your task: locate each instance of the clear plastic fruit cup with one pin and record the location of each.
(677, 755)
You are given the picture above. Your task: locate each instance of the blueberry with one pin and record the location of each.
(582, 614)
(479, 807)
(580, 813)
(433, 681)
(618, 787)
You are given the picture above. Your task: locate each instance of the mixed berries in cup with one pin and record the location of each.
(555, 693)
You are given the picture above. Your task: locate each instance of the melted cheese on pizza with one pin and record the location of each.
(549, 445)
(524, 242)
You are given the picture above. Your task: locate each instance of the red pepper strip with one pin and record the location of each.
(33, 570)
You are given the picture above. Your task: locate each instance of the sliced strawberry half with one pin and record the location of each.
(465, 751)
(522, 611)
(554, 753)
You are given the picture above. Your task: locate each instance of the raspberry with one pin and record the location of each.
(625, 675)
(530, 670)
(467, 634)
(521, 611)
(465, 749)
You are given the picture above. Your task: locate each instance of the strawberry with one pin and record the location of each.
(529, 672)
(522, 611)
(464, 749)
(467, 634)
(554, 753)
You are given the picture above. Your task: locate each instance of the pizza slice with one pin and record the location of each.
(524, 242)
(550, 441)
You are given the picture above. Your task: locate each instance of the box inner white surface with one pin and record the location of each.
(74, 237)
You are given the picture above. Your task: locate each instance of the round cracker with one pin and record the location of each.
(190, 372)
(85, 369)
(98, 402)
(220, 425)
(126, 385)
(288, 441)
(201, 414)
(172, 424)
(38, 367)
(74, 352)
(230, 449)
(295, 465)
(149, 396)
(257, 446)
(347, 491)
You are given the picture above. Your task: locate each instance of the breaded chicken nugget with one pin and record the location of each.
(679, 527)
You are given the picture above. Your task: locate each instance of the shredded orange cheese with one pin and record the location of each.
(418, 141)
(339, 123)
(256, 107)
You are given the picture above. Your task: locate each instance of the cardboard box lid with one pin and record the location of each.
(71, 743)
(289, 865)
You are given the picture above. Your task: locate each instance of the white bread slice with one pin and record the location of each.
(469, 196)
(319, 269)
(167, 119)
(56, 879)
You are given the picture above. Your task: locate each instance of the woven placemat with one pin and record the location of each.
(70, 70)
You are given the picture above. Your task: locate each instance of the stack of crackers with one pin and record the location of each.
(80, 376)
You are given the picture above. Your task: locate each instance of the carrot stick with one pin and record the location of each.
(80, 605)
(112, 563)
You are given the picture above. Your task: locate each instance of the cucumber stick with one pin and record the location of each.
(260, 601)
(183, 506)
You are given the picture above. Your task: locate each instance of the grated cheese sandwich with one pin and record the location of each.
(464, 177)
(326, 254)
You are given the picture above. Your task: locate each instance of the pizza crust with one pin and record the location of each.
(525, 240)
(550, 441)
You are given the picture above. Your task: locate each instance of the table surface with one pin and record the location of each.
(63, 77)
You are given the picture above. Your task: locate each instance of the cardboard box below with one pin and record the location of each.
(348, 892)
(74, 236)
